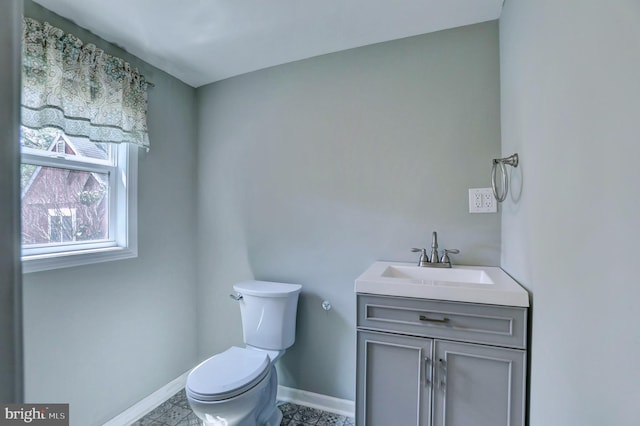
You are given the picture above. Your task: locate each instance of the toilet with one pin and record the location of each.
(238, 387)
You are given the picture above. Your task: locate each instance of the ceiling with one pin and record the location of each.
(202, 41)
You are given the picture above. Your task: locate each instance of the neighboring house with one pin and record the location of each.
(60, 205)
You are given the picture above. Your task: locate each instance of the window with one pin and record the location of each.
(78, 192)
(62, 225)
(78, 200)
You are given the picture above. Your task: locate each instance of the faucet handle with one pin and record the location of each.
(445, 256)
(423, 256)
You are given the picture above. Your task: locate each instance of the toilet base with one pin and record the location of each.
(275, 419)
(256, 407)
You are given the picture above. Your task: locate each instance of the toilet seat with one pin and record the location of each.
(227, 374)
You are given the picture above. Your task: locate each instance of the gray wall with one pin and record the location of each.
(570, 106)
(102, 337)
(10, 289)
(309, 172)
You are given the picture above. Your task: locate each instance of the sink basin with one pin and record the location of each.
(458, 275)
(475, 284)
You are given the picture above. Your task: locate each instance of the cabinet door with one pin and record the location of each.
(478, 385)
(394, 376)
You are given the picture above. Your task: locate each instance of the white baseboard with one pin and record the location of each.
(144, 406)
(343, 407)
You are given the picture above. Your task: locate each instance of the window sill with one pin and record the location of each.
(46, 262)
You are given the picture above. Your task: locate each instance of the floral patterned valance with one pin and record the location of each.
(80, 89)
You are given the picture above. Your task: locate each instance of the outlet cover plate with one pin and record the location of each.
(481, 200)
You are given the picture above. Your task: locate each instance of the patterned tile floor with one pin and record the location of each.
(176, 412)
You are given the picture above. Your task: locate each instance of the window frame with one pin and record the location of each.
(123, 182)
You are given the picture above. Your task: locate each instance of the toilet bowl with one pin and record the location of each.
(235, 387)
(238, 387)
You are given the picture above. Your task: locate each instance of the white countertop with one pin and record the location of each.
(475, 284)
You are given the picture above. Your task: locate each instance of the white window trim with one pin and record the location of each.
(125, 245)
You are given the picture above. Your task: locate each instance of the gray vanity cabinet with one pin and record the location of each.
(435, 363)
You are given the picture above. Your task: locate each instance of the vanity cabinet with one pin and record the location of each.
(427, 362)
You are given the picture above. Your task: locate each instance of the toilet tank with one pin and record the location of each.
(268, 312)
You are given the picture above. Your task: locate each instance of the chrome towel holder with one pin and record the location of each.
(512, 161)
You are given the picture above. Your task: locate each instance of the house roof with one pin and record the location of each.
(83, 147)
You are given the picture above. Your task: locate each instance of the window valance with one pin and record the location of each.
(80, 89)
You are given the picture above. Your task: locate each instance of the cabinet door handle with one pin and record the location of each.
(427, 372)
(436, 320)
(442, 370)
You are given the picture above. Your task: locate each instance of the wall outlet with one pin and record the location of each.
(481, 200)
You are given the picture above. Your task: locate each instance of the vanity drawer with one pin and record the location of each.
(469, 322)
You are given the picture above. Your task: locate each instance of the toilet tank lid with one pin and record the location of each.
(267, 288)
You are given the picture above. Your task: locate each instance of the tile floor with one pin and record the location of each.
(176, 412)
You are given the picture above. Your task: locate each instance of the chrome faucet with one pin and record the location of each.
(434, 248)
(435, 261)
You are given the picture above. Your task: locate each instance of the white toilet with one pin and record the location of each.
(238, 386)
